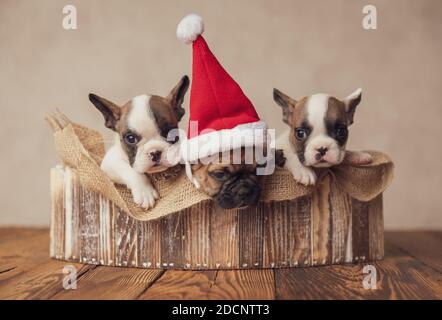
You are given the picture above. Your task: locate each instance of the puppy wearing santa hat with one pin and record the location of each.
(227, 142)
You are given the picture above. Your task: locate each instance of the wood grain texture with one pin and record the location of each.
(196, 238)
(89, 226)
(251, 236)
(360, 231)
(287, 233)
(103, 283)
(72, 241)
(321, 223)
(42, 281)
(18, 245)
(57, 212)
(326, 227)
(107, 232)
(278, 235)
(212, 284)
(149, 243)
(126, 240)
(403, 277)
(376, 228)
(341, 231)
(424, 246)
(172, 241)
(399, 276)
(30, 274)
(301, 225)
(252, 284)
(411, 270)
(224, 238)
(177, 284)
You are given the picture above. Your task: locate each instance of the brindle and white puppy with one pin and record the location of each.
(229, 185)
(318, 133)
(141, 146)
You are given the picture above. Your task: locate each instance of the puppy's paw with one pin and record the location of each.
(358, 158)
(305, 175)
(144, 195)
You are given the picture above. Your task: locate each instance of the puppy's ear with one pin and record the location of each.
(176, 96)
(111, 112)
(280, 159)
(196, 166)
(351, 102)
(286, 103)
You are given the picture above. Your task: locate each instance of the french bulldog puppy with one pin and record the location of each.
(229, 185)
(141, 142)
(318, 133)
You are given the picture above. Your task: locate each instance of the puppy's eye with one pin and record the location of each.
(300, 133)
(131, 138)
(341, 132)
(219, 174)
(176, 139)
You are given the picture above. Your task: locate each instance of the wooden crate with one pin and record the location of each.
(326, 227)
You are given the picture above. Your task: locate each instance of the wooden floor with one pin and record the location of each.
(412, 269)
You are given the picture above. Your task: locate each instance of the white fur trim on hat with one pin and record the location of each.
(189, 28)
(210, 143)
(205, 145)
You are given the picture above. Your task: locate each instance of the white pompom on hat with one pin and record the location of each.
(190, 27)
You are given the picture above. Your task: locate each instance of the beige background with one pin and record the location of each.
(125, 48)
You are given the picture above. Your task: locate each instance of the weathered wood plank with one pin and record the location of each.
(103, 283)
(405, 277)
(321, 223)
(399, 277)
(42, 281)
(196, 237)
(126, 253)
(178, 284)
(149, 243)
(318, 229)
(20, 248)
(423, 246)
(301, 243)
(89, 226)
(222, 284)
(341, 225)
(33, 275)
(360, 230)
(251, 236)
(172, 241)
(409, 271)
(13, 236)
(250, 284)
(107, 232)
(376, 228)
(224, 238)
(72, 238)
(278, 233)
(57, 213)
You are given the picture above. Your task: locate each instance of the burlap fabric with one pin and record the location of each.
(82, 149)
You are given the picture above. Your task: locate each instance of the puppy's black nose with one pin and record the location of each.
(322, 151)
(155, 156)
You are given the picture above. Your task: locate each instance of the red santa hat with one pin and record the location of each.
(222, 118)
